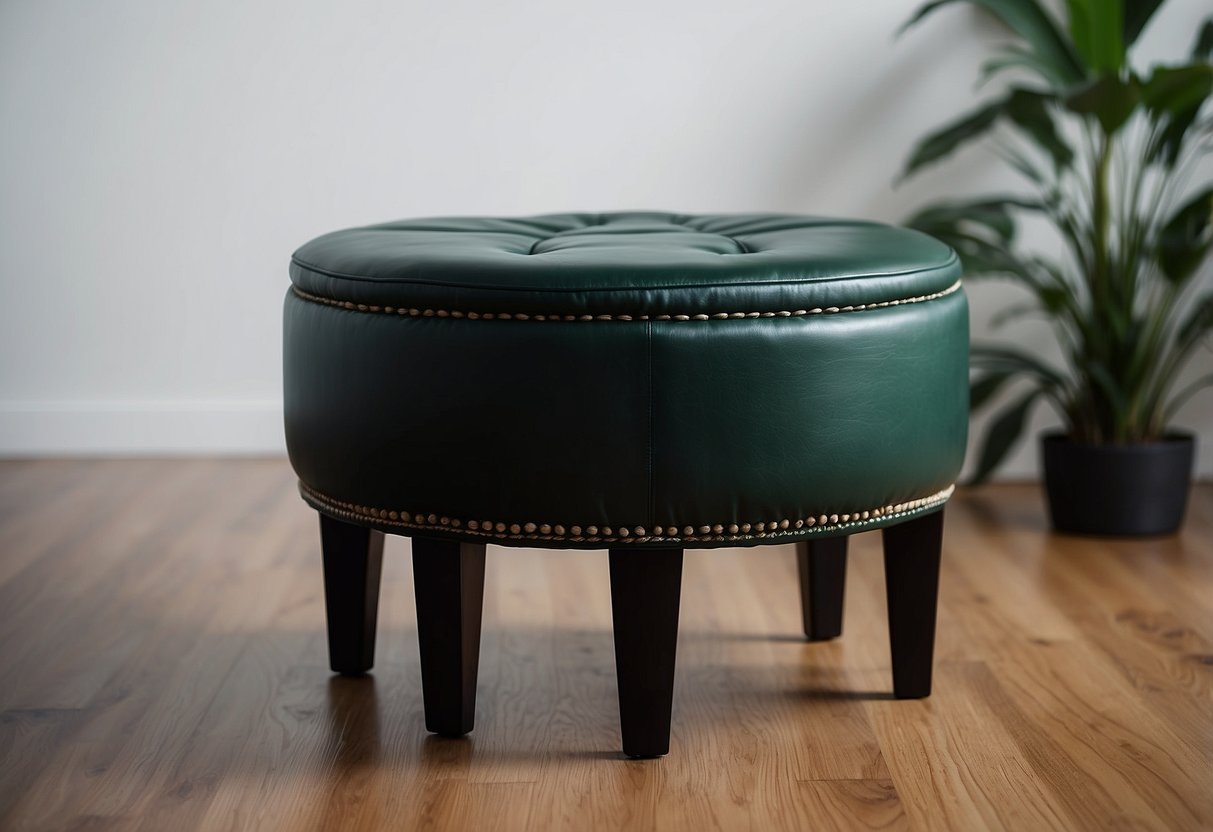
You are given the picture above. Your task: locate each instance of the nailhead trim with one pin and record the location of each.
(499, 530)
(415, 312)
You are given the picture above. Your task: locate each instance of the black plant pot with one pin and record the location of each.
(1118, 489)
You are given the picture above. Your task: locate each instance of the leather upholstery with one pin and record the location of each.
(583, 380)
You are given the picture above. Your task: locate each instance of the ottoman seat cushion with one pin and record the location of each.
(640, 264)
(580, 380)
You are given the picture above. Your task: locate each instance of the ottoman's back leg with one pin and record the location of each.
(646, 585)
(353, 558)
(911, 566)
(448, 577)
(823, 574)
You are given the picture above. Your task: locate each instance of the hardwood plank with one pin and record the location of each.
(1083, 712)
(844, 805)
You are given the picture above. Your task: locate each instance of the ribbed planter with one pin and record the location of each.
(1123, 490)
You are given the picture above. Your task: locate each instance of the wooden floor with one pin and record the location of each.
(163, 667)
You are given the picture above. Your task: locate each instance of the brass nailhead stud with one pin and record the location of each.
(705, 529)
(394, 515)
(546, 529)
(515, 528)
(529, 528)
(733, 528)
(591, 530)
(745, 528)
(689, 530)
(500, 527)
(607, 531)
(419, 519)
(433, 518)
(833, 518)
(639, 530)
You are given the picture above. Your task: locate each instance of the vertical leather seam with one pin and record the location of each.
(652, 501)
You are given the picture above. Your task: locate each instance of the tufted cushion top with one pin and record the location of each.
(631, 264)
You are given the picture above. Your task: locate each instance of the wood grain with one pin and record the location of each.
(163, 666)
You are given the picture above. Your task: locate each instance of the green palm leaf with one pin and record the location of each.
(1001, 436)
(1055, 56)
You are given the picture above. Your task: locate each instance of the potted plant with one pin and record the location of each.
(1108, 156)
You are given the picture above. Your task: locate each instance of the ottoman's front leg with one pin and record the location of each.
(911, 566)
(646, 585)
(448, 577)
(353, 558)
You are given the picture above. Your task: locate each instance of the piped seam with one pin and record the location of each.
(427, 312)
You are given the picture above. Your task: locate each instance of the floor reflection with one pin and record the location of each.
(353, 716)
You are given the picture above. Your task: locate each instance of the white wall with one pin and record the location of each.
(159, 161)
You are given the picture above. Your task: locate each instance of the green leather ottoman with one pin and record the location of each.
(639, 382)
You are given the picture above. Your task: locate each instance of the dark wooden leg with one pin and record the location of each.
(823, 575)
(448, 577)
(646, 585)
(911, 566)
(353, 559)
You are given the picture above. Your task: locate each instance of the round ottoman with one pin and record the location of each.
(640, 382)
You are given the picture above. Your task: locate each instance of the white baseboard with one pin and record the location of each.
(121, 428)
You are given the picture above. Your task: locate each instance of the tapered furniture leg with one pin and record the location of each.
(353, 559)
(911, 565)
(823, 575)
(646, 585)
(448, 577)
